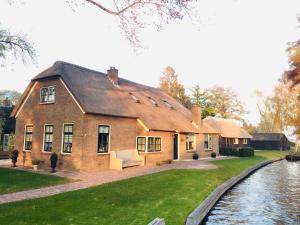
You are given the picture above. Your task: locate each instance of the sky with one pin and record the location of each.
(239, 44)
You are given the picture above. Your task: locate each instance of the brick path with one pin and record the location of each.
(89, 179)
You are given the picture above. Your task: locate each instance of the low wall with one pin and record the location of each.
(197, 216)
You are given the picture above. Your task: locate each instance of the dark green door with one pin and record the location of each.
(175, 156)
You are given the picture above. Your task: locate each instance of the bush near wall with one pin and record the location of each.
(240, 152)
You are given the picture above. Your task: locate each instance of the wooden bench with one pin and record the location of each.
(125, 158)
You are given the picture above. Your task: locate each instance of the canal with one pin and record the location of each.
(269, 196)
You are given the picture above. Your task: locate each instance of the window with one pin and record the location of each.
(103, 139)
(134, 98)
(149, 144)
(236, 141)
(190, 140)
(245, 141)
(154, 144)
(48, 138)
(141, 144)
(48, 94)
(168, 104)
(207, 142)
(227, 142)
(67, 138)
(153, 101)
(5, 142)
(28, 137)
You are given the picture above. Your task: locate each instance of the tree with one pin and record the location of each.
(134, 15)
(170, 85)
(15, 45)
(293, 74)
(201, 98)
(12, 95)
(278, 112)
(226, 103)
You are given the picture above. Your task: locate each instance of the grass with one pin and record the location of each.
(16, 180)
(171, 195)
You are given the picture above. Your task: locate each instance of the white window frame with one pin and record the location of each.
(62, 139)
(109, 137)
(146, 150)
(44, 138)
(245, 141)
(5, 148)
(48, 87)
(236, 141)
(209, 137)
(24, 148)
(194, 143)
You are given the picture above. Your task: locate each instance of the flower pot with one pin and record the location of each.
(35, 167)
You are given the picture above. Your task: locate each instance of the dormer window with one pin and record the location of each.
(48, 94)
(134, 98)
(152, 101)
(168, 104)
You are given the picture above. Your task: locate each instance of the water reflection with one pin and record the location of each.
(270, 196)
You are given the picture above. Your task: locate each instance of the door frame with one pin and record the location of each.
(178, 146)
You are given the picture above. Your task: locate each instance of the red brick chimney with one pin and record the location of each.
(112, 75)
(196, 114)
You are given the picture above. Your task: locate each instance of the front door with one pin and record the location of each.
(175, 151)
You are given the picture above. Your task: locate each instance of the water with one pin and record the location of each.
(269, 196)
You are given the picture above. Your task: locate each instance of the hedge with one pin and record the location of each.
(240, 152)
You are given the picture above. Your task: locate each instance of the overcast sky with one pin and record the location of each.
(235, 43)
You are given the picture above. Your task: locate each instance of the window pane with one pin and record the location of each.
(151, 144)
(141, 144)
(103, 139)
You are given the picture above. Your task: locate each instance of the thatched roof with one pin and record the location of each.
(96, 94)
(227, 127)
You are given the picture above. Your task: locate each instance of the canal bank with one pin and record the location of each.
(269, 196)
(201, 212)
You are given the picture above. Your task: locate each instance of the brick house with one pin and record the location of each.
(232, 135)
(83, 115)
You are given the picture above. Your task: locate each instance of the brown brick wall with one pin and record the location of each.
(122, 137)
(64, 110)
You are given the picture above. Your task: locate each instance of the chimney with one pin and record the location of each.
(112, 75)
(6, 102)
(196, 114)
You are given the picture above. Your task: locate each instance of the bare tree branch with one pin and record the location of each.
(15, 45)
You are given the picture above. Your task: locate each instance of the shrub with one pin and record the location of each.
(195, 156)
(240, 152)
(213, 155)
(35, 161)
(53, 161)
(14, 157)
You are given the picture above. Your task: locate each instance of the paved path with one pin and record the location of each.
(89, 179)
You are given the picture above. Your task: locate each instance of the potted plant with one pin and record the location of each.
(14, 157)
(53, 161)
(213, 155)
(35, 163)
(195, 156)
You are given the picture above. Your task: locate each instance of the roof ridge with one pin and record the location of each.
(58, 63)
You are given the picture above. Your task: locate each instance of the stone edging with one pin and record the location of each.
(197, 216)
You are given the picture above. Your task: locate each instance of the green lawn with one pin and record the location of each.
(171, 195)
(15, 180)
